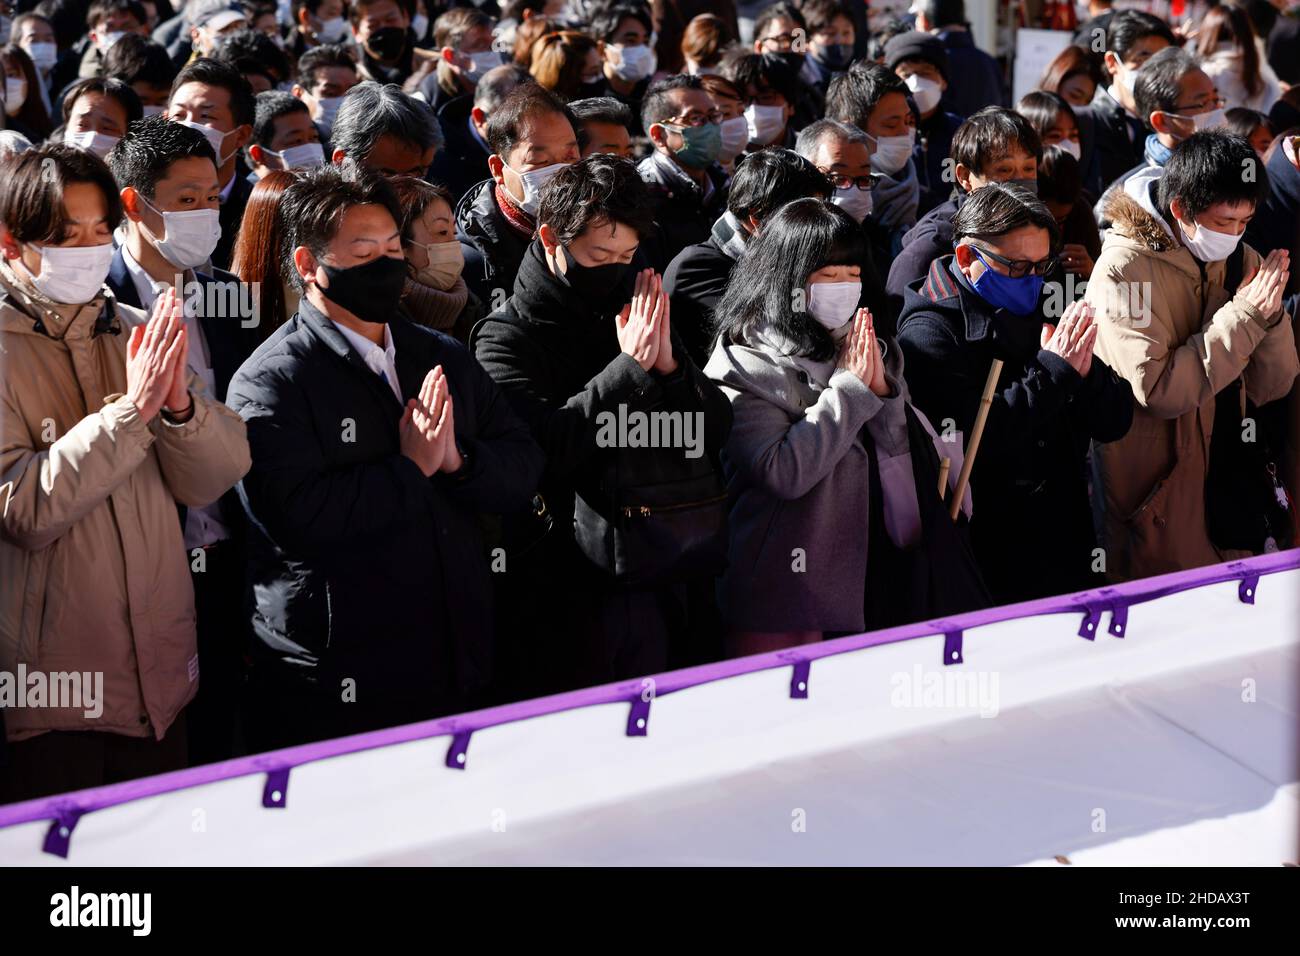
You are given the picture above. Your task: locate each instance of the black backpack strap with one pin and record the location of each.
(1235, 269)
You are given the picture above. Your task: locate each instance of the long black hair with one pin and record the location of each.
(766, 286)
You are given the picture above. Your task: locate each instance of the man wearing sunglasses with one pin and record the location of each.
(1032, 531)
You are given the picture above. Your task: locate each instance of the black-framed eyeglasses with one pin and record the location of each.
(1019, 268)
(696, 119)
(865, 183)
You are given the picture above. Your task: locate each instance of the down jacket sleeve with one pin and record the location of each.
(202, 459)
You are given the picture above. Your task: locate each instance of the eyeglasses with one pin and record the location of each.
(1204, 106)
(1019, 268)
(865, 183)
(696, 119)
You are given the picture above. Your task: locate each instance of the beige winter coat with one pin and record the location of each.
(93, 569)
(1172, 331)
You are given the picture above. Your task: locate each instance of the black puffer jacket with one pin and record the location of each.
(493, 248)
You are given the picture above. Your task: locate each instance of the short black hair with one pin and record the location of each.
(1129, 27)
(370, 110)
(1244, 122)
(943, 13)
(212, 72)
(137, 59)
(770, 178)
(505, 125)
(1059, 178)
(605, 21)
(989, 134)
(598, 109)
(1211, 167)
(252, 51)
(798, 239)
(1156, 86)
(764, 70)
(32, 188)
(820, 14)
(657, 105)
(143, 155)
(271, 105)
(314, 205)
(778, 11)
(497, 83)
(1042, 108)
(998, 208)
(853, 94)
(101, 8)
(111, 88)
(601, 188)
(323, 56)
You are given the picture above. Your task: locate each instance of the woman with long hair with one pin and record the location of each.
(828, 501)
(24, 112)
(567, 62)
(1232, 58)
(258, 255)
(1074, 75)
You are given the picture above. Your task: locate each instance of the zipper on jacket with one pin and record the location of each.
(645, 511)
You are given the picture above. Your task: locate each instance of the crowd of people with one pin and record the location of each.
(367, 361)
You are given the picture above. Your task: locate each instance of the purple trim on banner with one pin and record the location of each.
(59, 836)
(799, 679)
(952, 653)
(1132, 593)
(275, 793)
(1119, 619)
(458, 752)
(1248, 588)
(638, 717)
(1091, 621)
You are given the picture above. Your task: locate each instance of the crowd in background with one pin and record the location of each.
(365, 362)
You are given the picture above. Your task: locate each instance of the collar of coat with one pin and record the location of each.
(942, 287)
(43, 316)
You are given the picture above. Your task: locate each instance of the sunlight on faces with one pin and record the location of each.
(117, 21)
(327, 82)
(187, 184)
(1028, 242)
(328, 10)
(890, 117)
(365, 233)
(205, 38)
(1063, 129)
(777, 37)
(593, 65)
(604, 242)
(1196, 95)
(728, 106)
(1077, 89)
(630, 32)
(384, 13)
(545, 138)
(476, 40)
(34, 31)
(838, 31)
(99, 113)
(434, 225)
(688, 106)
(85, 209)
(1225, 217)
(1016, 164)
(920, 68)
(835, 274)
(1138, 54)
(392, 157)
(1260, 140)
(607, 138)
(834, 155)
(209, 106)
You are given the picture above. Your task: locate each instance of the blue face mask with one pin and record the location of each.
(1017, 296)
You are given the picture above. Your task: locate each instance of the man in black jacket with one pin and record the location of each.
(584, 342)
(697, 277)
(378, 446)
(532, 136)
(463, 159)
(1032, 526)
(688, 185)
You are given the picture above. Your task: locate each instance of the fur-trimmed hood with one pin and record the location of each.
(1132, 213)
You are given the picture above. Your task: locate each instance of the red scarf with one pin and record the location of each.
(519, 220)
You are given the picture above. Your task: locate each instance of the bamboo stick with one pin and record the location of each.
(977, 431)
(945, 465)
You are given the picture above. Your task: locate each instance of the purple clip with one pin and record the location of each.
(799, 680)
(1091, 621)
(59, 835)
(275, 795)
(952, 647)
(638, 718)
(1247, 588)
(1118, 619)
(458, 751)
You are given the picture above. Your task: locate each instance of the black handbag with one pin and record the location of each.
(1247, 508)
(657, 517)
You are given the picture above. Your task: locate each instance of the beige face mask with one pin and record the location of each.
(446, 262)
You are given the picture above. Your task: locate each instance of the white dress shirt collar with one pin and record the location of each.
(381, 361)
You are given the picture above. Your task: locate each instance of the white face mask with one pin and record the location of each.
(481, 62)
(44, 55)
(1071, 147)
(190, 236)
(108, 39)
(71, 274)
(1211, 120)
(1208, 245)
(1125, 79)
(925, 91)
(214, 137)
(856, 202)
(332, 30)
(97, 143)
(533, 181)
(304, 156)
(833, 304)
(765, 123)
(735, 137)
(328, 108)
(446, 262)
(634, 64)
(15, 94)
(892, 152)
(153, 110)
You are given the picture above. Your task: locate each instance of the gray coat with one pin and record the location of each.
(798, 479)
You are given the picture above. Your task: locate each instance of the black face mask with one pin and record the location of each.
(388, 43)
(837, 56)
(598, 285)
(794, 59)
(370, 291)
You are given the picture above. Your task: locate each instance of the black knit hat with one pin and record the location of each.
(915, 45)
